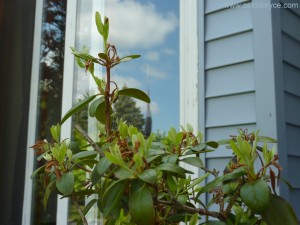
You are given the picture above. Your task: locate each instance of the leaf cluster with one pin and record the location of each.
(139, 181)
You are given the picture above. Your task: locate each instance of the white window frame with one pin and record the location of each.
(189, 67)
(26, 217)
(67, 98)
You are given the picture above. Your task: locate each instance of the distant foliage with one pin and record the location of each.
(125, 108)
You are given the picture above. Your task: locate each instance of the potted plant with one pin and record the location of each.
(139, 181)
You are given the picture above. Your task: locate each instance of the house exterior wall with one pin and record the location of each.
(290, 60)
(248, 77)
(228, 75)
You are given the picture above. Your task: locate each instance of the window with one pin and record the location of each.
(45, 101)
(149, 28)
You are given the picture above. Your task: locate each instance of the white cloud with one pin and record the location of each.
(169, 51)
(126, 81)
(143, 106)
(153, 72)
(138, 25)
(152, 56)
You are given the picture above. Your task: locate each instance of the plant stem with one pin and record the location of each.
(79, 210)
(107, 102)
(193, 210)
(89, 139)
(233, 199)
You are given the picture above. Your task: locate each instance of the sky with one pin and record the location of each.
(149, 28)
(146, 27)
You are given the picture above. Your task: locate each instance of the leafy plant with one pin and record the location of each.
(139, 181)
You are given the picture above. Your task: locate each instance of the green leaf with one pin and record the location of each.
(129, 57)
(94, 106)
(135, 93)
(86, 161)
(100, 112)
(266, 139)
(141, 206)
(173, 168)
(91, 68)
(66, 183)
(95, 176)
(103, 56)
(149, 176)
(80, 105)
(112, 197)
(172, 183)
(195, 161)
(99, 83)
(59, 152)
(212, 144)
(114, 159)
(80, 62)
(89, 206)
(238, 211)
(99, 23)
(256, 195)
(279, 212)
(38, 170)
(85, 56)
(170, 158)
(224, 142)
(212, 222)
(218, 181)
(194, 219)
(47, 193)
(197, 181)
(199, 147)
(85, 193)
(55, 132)
(124, 174)
(105, 29)
(103, 165)
(84, 154)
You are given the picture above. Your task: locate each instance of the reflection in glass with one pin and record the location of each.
(149, 28)
(50, 94)
(81, 90)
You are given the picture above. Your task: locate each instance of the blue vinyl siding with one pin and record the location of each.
(228, 80)
(215, 23)
(250, 78)
(216, 5)
(293, 135)
(229, 50)
(230, 110)
(229, 95)
(228, 77)
(290, 41)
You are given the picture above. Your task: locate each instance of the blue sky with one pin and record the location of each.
(149, 28)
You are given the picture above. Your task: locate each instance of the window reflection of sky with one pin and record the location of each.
(149, 28)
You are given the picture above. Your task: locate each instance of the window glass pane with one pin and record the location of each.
(49, 97)
(149, 28)
(84, 41)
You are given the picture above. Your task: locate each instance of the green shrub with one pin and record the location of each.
(139, 181)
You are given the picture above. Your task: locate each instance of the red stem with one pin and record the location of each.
(107, 102)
